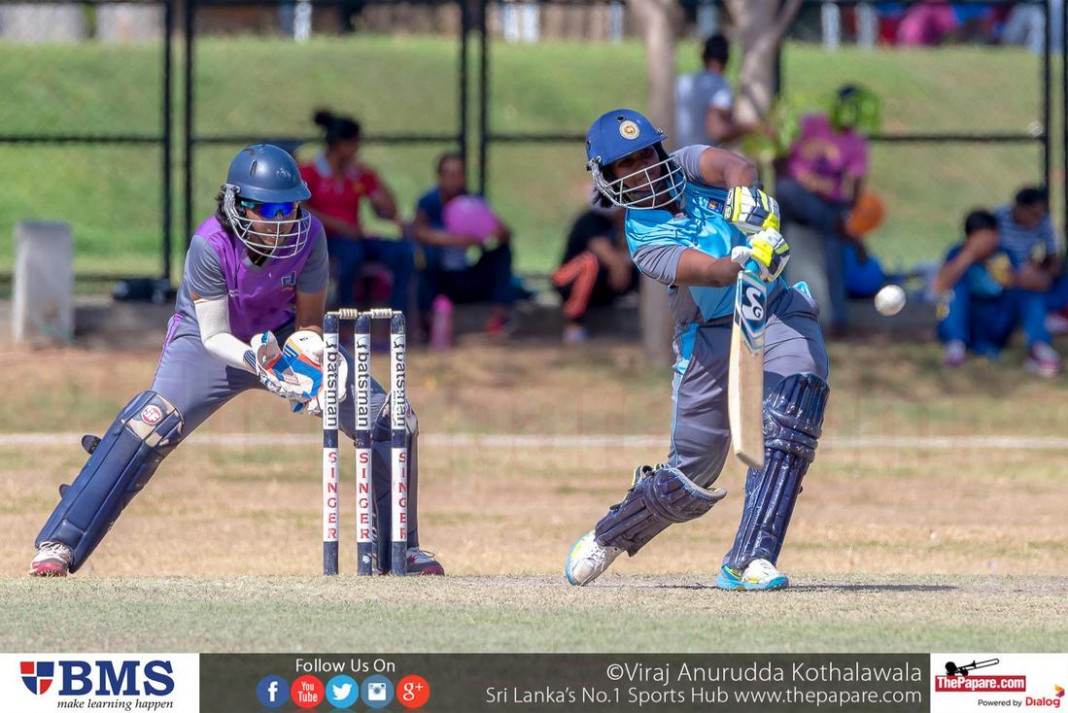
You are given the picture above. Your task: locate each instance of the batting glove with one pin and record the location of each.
(751, 210)
(768, 249)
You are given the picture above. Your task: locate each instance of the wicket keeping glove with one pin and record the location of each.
(302, 359)
(751, 210)
(268, 362)
(768, 249)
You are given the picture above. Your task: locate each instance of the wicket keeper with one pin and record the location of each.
(255, 276)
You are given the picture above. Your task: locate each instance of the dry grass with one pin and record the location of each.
(888, 546)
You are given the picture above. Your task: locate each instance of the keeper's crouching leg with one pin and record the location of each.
(122, 462)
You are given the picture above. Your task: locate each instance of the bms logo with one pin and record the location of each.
(37, 675)
(99, 678)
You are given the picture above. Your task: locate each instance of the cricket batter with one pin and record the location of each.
(255, 274)
(688, 214)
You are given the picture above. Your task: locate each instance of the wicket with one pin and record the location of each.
(365, 499)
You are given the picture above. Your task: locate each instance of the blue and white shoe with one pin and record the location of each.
(588, 559)
(760, 575)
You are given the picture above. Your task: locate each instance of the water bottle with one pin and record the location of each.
(441, 323)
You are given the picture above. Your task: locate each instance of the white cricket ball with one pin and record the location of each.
(890, 300)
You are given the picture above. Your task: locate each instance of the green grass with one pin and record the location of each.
(532, 614)
(111, 194)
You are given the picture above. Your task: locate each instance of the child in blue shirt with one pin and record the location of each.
(981, 305)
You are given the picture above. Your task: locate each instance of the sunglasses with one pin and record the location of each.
(271, 211)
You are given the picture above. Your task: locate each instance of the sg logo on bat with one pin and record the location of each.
(750, 310)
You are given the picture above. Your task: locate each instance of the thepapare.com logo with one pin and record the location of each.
(73, 678)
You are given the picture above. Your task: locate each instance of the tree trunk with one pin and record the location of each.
(759, 27)
(658, 20)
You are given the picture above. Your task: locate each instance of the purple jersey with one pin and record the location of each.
(261, 297)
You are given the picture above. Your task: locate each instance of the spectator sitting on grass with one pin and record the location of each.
(1026, 233)
(448, 271)
(981, 303)
(339, 184)
(596, 268)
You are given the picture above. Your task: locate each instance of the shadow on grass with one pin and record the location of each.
(799, 588)
(874, 587)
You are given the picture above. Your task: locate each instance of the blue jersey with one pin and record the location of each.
(657, 239)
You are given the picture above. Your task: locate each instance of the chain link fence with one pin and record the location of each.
(85, 128)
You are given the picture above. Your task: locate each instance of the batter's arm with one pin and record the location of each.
(699, 269)
(727, 169)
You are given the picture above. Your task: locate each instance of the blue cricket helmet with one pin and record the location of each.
(266, 179)
(618, 133)
(622, 132)
(267, 174)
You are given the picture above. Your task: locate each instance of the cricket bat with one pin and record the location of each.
(745, 383)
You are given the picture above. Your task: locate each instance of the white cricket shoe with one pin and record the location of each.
(759, 575)
(53, 559)
(588, 559)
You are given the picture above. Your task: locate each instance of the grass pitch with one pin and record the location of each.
(913, 543)
(534, 613)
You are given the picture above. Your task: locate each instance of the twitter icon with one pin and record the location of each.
(342, 691)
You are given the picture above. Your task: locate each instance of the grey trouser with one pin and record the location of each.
(701, 438)
(198, 384)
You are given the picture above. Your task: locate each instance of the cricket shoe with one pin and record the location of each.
(422, 562)
(1044, 361)
(588, 559)
(759, 575)
(53, 559)
(1057, 323)
(955, 355)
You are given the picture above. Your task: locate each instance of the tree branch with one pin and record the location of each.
(785, 18)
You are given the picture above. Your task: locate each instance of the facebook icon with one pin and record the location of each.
(272, 691)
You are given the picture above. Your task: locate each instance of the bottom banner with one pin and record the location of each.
(463, 683)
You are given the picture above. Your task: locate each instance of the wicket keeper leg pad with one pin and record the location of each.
(657, 499)
(144, 433)
(793, 422)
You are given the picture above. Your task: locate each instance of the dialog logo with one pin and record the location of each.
(342, 691)
(377, 691)
(272, 692)
(37, 675)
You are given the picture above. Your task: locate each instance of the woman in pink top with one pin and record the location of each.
(821, 180)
